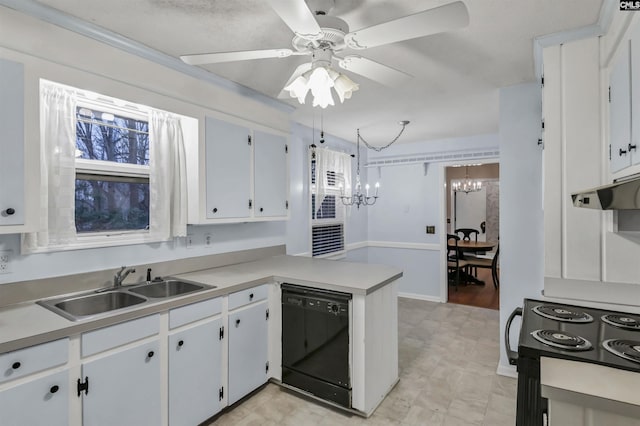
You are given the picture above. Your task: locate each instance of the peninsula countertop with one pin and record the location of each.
(28, 324)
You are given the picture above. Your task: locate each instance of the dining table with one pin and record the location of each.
(468, 246)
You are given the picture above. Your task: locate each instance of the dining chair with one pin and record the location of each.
(479, 262)
(467, 233)
(454, 261)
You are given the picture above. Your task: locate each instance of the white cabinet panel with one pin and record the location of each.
(41, 402)
(620, 110)
(12, 187)
(228, 153)
(33, 359)
(195, 362)
(635, 94)
(270, 157)
(248, 350)
(119, 334)
(124, 388)
(250, 295)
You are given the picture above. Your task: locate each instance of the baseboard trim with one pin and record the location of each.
(424, 297)
(507, 370)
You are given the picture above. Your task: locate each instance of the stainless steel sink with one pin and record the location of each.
(88, 305)
(167, 288)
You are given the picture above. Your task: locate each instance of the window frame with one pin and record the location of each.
(107, 169)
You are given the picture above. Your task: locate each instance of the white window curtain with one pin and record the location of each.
(332, 161)
(57, 146)
(167, 178)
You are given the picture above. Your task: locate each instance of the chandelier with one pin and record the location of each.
(319, 80)
(364, 199)
(466, 185)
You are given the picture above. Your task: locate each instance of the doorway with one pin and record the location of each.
(474, 208)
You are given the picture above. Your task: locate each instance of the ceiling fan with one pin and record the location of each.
(322, 36)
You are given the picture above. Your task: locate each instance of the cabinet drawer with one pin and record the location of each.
(119, 334)
(33, 359)
(194, 312)
(250, 295)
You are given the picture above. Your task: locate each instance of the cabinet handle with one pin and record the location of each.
(150, 354)
(622, 152)
(631, 147)
(16, 365)
(10, 211)
(261, 209)
(215, 210)
(54, 389)
(180, 343)
(238, 322)
(251, 296)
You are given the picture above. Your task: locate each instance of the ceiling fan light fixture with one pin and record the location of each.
(344, 87)
(299, 88)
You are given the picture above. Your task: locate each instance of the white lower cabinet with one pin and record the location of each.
(123, 387)
(195, 364)
(248, 350)
(40, 402)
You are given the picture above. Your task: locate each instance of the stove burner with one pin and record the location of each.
(627, 349)
(626, 321)
(562, 340)
(562, 313)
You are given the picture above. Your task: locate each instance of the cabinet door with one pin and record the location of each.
(124, 388)
(44, 402)
(271, 189)
(195, 362)
(620, 110)
(228, 153)
(635, 94)
(11, 143)
(248, 350)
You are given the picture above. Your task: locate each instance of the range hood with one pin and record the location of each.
(623, 194)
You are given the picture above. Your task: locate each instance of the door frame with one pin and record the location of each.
(444, 281)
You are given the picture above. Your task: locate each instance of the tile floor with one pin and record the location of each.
(448, 355)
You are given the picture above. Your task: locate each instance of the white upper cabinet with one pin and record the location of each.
(12, 187)
(624, 107)
(271, 183)
(620, 109)
(635, 94)
(237, 173)
(228, 153)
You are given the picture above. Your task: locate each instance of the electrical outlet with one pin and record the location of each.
(189, 241)
(5, 261)
(207, 240)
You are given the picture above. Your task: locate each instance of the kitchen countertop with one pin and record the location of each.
(27, 324)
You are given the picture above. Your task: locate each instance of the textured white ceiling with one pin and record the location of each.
(454, 91)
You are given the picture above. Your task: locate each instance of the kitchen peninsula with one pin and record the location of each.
(160, 325)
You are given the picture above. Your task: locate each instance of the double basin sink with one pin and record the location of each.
(90, 305)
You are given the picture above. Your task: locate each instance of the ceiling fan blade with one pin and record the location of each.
(214, 58)
(298, 17)
(437, 20)
(374, 70)
(297, 73)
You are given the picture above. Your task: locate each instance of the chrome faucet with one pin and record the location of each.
(121, 275)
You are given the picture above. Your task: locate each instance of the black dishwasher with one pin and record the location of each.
(315, 342)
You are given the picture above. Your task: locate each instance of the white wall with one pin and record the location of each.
(521, 215)
(412, 198)
(50, 52)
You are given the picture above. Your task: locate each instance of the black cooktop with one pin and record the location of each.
(596, 332)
